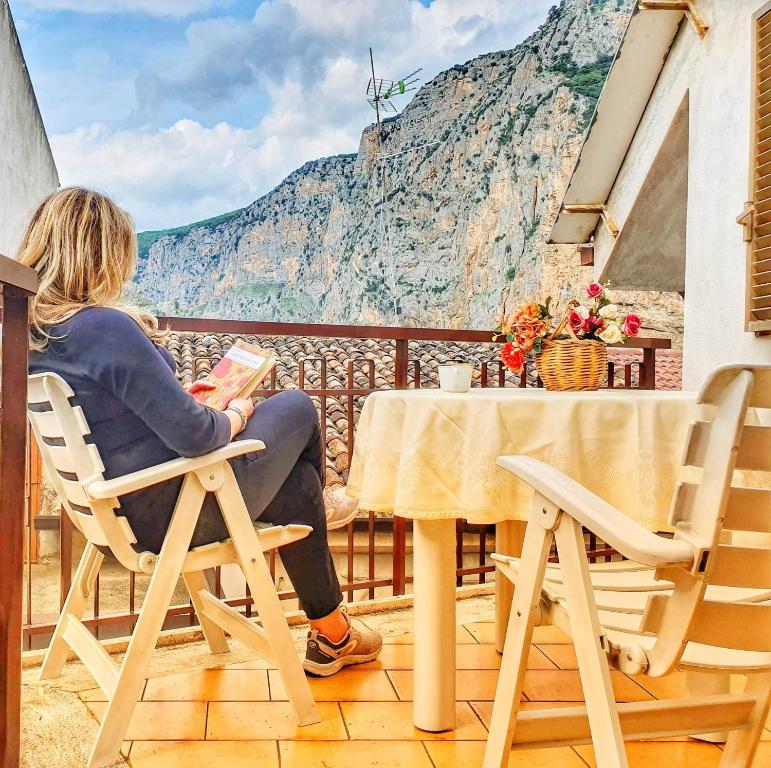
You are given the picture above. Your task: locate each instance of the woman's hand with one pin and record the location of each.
(245, 406)
(193, 387)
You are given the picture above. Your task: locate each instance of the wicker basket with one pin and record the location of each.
(572, 364)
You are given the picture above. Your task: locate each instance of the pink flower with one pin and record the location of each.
(595, 290)
(594, 322)
(632, 325)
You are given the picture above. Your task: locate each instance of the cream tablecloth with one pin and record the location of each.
(427, 454)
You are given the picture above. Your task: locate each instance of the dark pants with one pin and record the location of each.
(282, 485)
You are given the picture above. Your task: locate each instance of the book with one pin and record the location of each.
(241, 370)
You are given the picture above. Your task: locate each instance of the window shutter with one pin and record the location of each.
(759, 298)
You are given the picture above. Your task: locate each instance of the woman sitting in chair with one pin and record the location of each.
(84, 250)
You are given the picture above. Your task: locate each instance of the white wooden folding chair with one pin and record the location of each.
(76, 471)
(692, 601)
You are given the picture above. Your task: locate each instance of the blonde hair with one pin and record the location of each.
(84, 249)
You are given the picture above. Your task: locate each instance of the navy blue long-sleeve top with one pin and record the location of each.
(137, 410)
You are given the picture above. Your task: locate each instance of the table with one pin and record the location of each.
(430, 456)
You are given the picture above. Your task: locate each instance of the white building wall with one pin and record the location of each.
(27, 170)
(720, 85)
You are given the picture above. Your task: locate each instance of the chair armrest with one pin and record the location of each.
(135, 481)
(624, 534)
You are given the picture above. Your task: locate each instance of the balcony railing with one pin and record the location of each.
(371, 539)
(18, 284)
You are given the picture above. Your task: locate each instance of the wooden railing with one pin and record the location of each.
(312, 373)
(18, 284)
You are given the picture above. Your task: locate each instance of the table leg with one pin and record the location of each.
(434, 619)
(509, 535)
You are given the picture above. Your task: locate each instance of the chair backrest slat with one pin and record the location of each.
(748, 509)
(60, 430)
(741, 567)
(741, 626)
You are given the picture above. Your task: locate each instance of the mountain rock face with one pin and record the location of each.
(432, 235)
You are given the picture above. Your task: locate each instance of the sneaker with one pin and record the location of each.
(324, 658)
(340, 507)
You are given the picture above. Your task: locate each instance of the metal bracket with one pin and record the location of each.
(747, 219)
(689, 6)
(599, 209)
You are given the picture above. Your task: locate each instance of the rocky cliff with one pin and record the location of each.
(460, 208)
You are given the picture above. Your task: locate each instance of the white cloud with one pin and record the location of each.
(186, 172)
(310, 58)
(151, 7)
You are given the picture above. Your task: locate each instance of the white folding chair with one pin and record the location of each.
(693, 601)
(76, 471)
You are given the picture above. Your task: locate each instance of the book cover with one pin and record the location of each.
(238, 374)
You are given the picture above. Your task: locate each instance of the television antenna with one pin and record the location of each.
(380, 95)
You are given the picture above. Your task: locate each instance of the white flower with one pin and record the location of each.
(583, 311)
(612, 334)
(609, 312)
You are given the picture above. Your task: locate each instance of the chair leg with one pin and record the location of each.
(741, 745)
(75, 606)
(535, 554)
(142, 644)
(607, 738)
(266, 600)
(195, 581)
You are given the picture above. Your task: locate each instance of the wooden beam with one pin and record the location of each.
(13, 437)
(600, 210)
(688, 6)
(586, 254)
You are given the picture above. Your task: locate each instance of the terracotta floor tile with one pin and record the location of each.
(470, 684)
(562, 654)
(204, 754)
(265, 720)
(469, 754)
(210, 685)
(462, 635)
(345, 754)
(162, 720)
(392, 721)
(256, 663)
(482, 631)
(550, 634)
(565, 685)
(406, 638)
(468, 656)
(393, 656)
(672, 754)
(670, 686)
(348, 685)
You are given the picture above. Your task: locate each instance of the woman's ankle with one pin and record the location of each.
(333, 626)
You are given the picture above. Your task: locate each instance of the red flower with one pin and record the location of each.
(594, 322)
(513, 357)
(576, 321)
(595, 290)
(632, 325)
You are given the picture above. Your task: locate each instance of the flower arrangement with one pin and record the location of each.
(596, 318)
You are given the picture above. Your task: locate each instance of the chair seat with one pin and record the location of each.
(621, 592)
(221, 552)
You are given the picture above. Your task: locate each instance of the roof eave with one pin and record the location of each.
(633, 75)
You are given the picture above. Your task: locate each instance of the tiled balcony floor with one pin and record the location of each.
(238, 715)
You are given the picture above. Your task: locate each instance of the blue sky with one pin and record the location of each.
(183, 109)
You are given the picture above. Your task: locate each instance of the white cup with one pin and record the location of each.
(455, 378)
